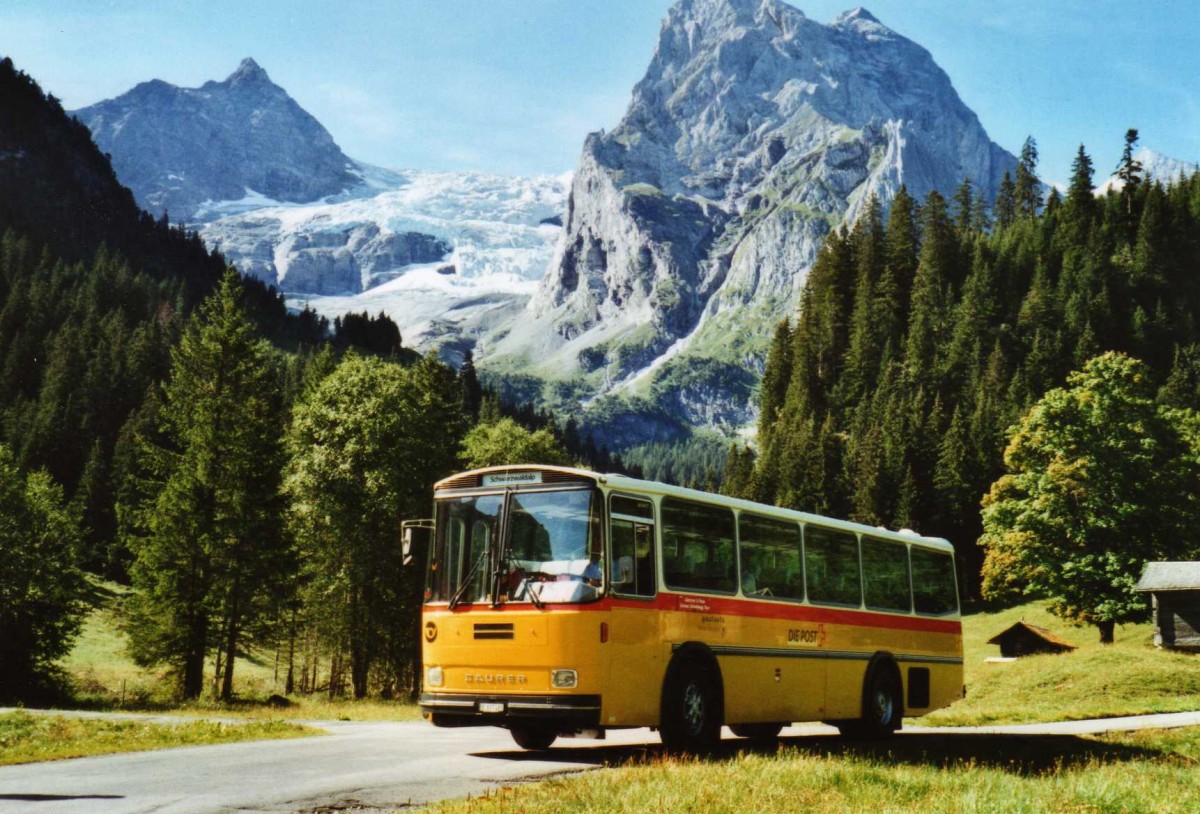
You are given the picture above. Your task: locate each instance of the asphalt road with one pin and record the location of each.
(383, 766)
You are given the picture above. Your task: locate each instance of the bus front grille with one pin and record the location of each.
(494, 631)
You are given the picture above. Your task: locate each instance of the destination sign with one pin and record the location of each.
(512, 478)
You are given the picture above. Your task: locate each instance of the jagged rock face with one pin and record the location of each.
(352, 259)
(177, 148)
(754, 132)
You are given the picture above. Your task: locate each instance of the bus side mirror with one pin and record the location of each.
(414, 537)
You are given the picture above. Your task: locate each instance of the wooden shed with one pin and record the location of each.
(1174, 588)
(1024, 639)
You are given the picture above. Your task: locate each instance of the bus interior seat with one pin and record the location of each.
(623, 571)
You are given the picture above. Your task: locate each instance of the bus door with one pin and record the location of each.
(635, 634)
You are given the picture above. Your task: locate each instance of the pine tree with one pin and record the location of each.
(212, 551)
(472, 392)
(928, 320)
(1027, 188)
(1005, 208)
(776, 376)
(1129, 171)
(1081, 198)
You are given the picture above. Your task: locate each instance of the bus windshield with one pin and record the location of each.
(551, 551)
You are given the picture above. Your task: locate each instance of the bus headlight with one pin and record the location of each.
(564, 679)
(434, 677)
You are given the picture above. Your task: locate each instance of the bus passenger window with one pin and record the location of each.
(701, 555)
(770, 552)
(934, 591)
(885, 575)
(632, 535)
(831, 567)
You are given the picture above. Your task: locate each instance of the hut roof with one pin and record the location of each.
(1034, 630)
(1170, 576)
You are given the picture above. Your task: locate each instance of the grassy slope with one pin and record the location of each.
(1129, 677)
(26, 738)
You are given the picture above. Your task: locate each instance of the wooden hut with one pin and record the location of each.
(1174, 588)
(1024, 639)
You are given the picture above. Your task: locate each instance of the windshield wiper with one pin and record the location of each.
(462, 588)
(533, 595)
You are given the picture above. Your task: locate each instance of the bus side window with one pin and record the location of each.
(831, 567)
(632, 536)
(885, 575)
(704, 546)
(770, 552)
(934, 591)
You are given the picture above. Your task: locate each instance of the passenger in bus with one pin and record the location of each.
(592, 574)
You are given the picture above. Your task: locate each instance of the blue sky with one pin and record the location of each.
(514, 85)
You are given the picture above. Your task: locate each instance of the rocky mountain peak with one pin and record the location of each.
(692, 223)
(248, 73)
(183, 149)
(858, 14)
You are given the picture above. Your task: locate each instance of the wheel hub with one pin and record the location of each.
(883, 706)
(693, 708)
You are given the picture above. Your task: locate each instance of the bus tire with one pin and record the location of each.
(757, 732)
(882, 702)
(534, 738)
(691, 708)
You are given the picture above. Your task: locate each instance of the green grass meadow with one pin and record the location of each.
(102, 676)
(932, 774)
(28, 738)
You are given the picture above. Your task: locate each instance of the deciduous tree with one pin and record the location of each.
(1100, 481)
(41, 586)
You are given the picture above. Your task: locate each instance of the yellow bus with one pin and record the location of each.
(563, 602)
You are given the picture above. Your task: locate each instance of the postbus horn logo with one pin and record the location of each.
(430, 631)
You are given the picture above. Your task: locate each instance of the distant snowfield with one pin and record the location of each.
(499, 230)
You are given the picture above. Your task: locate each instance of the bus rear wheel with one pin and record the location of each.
(883, 706)
(757, 732)
(691, 715)
(533, 738)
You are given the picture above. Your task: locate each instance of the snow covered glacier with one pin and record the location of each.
(447, 255)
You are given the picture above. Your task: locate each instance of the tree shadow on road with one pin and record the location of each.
(1018, 754)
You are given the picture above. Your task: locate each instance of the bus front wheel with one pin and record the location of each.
(533, 738)
(691, 715)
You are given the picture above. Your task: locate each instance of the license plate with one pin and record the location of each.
(491, 706)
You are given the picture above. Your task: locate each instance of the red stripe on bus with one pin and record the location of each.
(703, 603)
(786, 611)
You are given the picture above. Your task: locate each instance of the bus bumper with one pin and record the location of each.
(563, 712)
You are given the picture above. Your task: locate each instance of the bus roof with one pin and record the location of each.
(624, 482)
